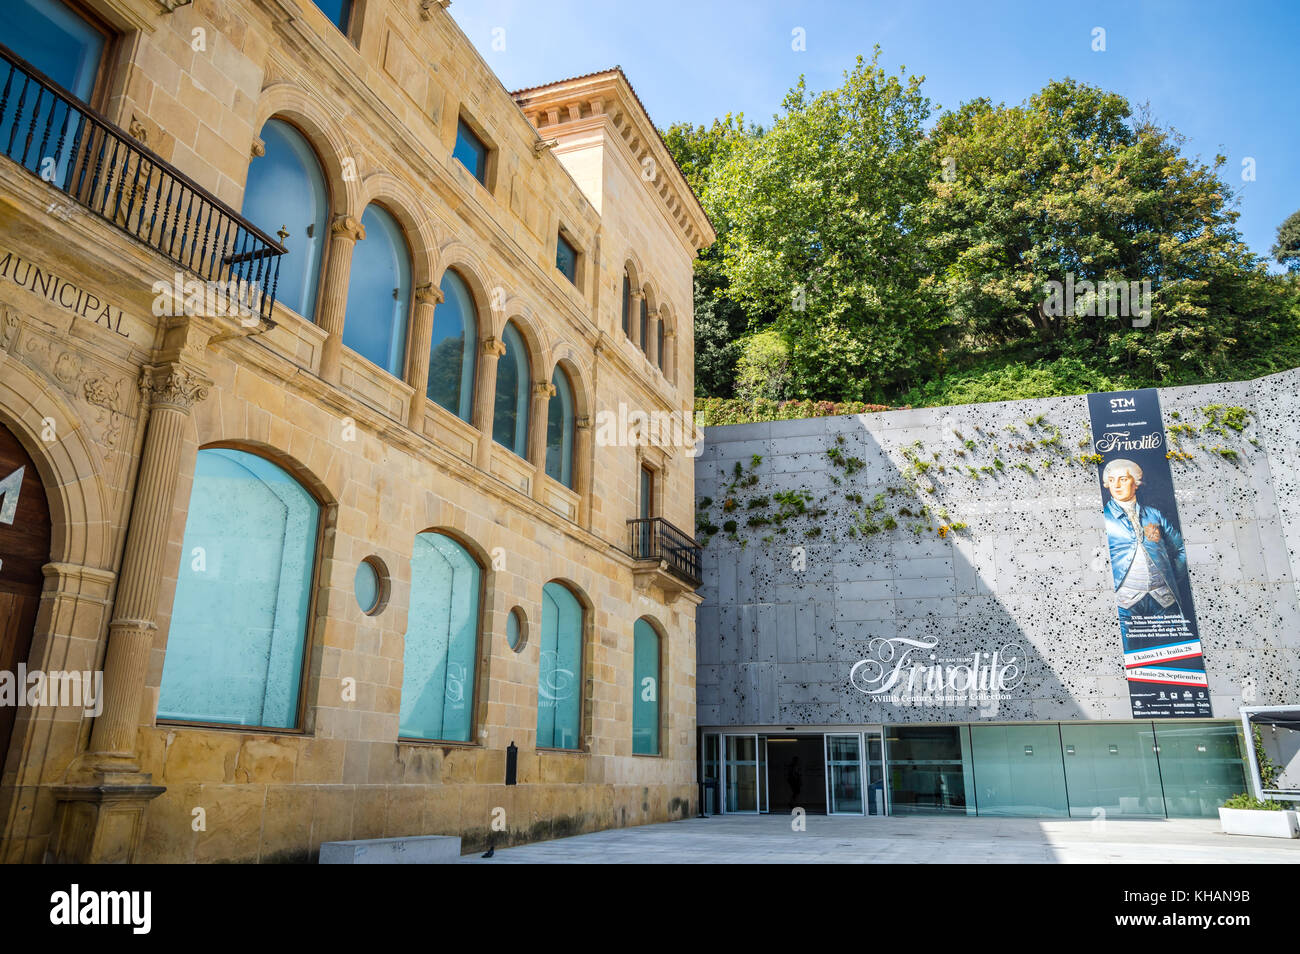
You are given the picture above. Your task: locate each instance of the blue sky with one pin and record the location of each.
(1225, 75)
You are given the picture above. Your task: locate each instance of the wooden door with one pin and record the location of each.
(24, 549)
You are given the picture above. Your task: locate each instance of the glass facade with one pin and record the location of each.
(844, 771)
(510, 410)
(1183, 769)
(1018, 771)
(929, 770)
(559, 676)
(1112, 768)
(452, 351)
(1079, 770)
(645, 683)
(1200, 766)
(286, 191)
(438, 661)
(239, 620)
(559, 431)
(742, 773)
(379, 293)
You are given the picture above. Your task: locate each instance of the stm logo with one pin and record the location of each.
(1116, 403)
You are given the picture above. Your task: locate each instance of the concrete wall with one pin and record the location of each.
(1032, 567)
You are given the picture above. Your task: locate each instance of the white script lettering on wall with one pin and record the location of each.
(909, 672)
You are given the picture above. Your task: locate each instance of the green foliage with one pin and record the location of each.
(1268, 769)
(905, 264)
(763, 368)
(720, 321)
(1286, 250)
(1248, 801)
(710, 412)
(823, 233)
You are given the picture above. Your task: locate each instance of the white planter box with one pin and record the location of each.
(1250, 821)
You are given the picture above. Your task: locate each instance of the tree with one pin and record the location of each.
(1286, 250)
(720, 321)
(821, 237)
(1070, 188)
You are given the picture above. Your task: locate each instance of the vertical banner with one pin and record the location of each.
(1148, 560)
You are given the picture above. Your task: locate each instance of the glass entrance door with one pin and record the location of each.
(741, 765)
(844, 784)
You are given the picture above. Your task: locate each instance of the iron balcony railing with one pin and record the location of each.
(654, 538)
(49, 132)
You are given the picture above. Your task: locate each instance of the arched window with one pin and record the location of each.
(286, 190)
(510, 414)
(441, 641)
(559, 676)
(627, 303)
(659, 342)
(239, 620)
(559, 431)
(379, 293)
(453, 351)
(645, 686)
(644, 340)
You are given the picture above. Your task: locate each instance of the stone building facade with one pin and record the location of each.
(554, 228)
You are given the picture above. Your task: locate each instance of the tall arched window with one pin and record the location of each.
(379, 292)
(659, 342)
(559, 676)
(441, 641)
(645, 686)
(627, 303)
(510, 409)
(559, 430)
(645, 326)
(286, 190)
(239, 621)
(452, 353)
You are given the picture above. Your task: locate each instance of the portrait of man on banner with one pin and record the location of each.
(1147, 555)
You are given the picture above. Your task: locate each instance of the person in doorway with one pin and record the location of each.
(794, 778)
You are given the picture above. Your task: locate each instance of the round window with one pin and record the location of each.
(370, 585)
(515, 629)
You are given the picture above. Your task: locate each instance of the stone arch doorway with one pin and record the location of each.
(24, 549)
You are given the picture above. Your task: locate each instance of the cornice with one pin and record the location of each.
(572, 107)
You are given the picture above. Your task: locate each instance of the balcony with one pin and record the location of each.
(666, 556)
(97, 166)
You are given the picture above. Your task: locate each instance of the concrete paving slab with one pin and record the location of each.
(767, 839)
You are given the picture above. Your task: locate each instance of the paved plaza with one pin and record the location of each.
(842, 840)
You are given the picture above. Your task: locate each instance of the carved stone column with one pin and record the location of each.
(100, 814)
(427, 297)
(543, 391)
(670, 355)
(491, 349)
(345, 232)
(582, 450)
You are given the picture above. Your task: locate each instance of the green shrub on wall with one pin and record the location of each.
(712, 412)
